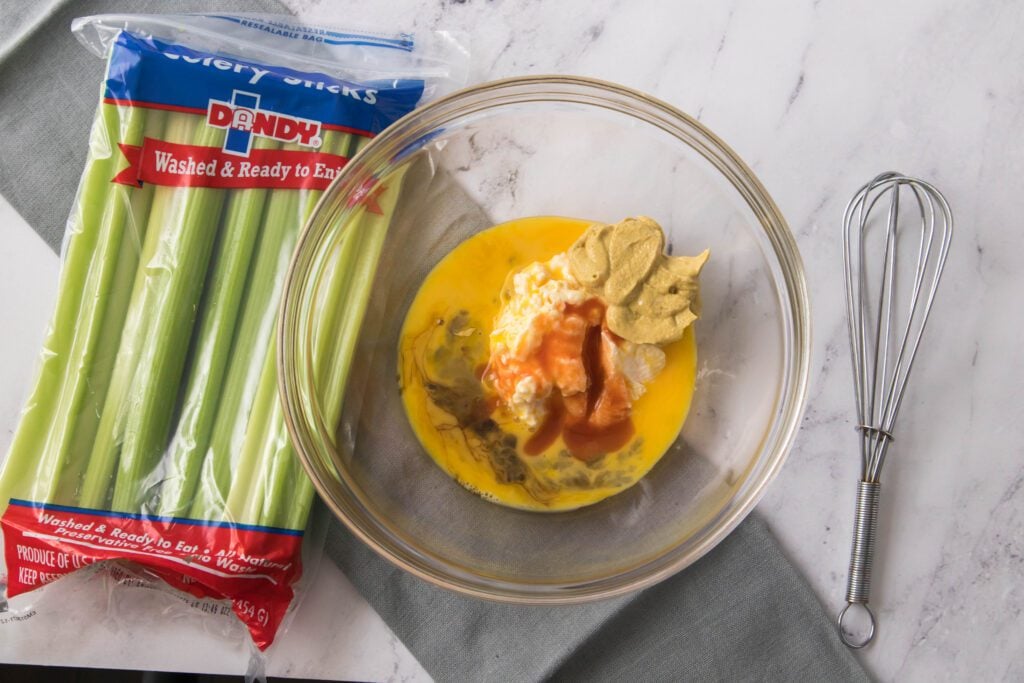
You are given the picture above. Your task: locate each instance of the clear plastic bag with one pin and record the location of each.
(153, 436)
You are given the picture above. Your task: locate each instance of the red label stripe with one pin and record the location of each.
(253, 567)
(172, 164)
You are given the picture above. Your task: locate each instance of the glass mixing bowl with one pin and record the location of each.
(523, 147)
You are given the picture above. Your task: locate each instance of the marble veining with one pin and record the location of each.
(817, 97)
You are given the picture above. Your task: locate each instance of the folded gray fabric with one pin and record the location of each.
(742, 613)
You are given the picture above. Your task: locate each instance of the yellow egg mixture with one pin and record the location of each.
(442, 352)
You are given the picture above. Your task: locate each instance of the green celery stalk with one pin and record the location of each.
(175, 278)
(33, 458)
(238, 236)
(119, 294)
(257, 445)
(278, 234)
(344, 310)
(319, 352)
(279, 471)
(98, 478)
(244, 503)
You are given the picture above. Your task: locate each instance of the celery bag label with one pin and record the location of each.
(242, 102)
(253, 566)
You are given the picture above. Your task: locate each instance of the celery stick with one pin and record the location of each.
(259, 311)
(265, 444)
(176, 280)
(86, 224)
(244, 503)
(281, 492)
(98, 379)
(346, 302)
(98, 479)
(281, 469)
(239, 234)
(265, 455)
(105, 451)
(320, 354)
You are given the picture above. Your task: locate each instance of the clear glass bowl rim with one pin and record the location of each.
(296, 389)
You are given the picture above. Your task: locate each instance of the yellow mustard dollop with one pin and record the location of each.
(651, 297)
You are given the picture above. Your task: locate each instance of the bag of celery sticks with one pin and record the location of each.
(149, 435)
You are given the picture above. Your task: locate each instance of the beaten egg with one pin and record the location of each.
(506, 453)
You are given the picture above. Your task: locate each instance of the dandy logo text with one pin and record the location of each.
(244, 120)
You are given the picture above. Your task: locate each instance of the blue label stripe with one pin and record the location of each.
(148, 71)
(154, 518)
(403, 42)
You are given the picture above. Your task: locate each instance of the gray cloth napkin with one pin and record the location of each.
(741, 613)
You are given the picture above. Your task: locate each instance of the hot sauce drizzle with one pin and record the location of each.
(590, 402)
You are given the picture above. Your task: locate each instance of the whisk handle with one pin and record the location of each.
(862, 553)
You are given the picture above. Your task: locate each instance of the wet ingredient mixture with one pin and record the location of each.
(548, 363)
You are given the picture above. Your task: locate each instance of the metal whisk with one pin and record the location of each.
(886, 324)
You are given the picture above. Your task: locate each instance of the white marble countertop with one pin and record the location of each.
(817, 97)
